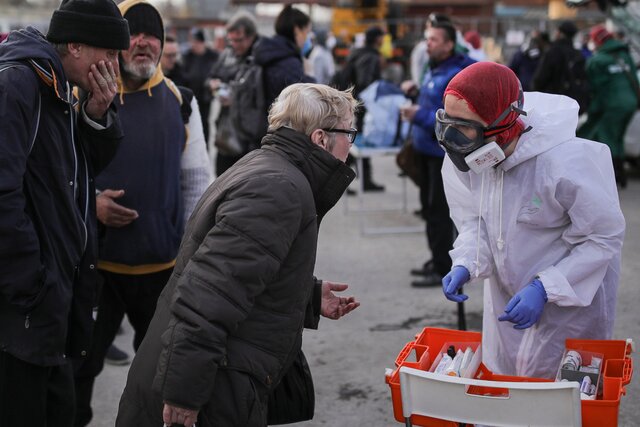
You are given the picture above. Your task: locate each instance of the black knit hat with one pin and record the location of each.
(198, 34)
(568, 28)
(372, 34)
(144, 18)
(96, 23)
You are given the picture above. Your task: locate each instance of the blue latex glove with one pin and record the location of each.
(525, 308)
(453, 281)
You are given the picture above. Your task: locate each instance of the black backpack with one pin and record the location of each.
(576, 83)
(248, 110)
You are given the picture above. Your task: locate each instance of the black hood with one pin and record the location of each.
(29, 43)
(275, 48)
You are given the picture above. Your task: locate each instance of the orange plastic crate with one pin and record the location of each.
(424, 348)
(616, 373)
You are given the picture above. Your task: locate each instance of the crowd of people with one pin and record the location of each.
(109, 206)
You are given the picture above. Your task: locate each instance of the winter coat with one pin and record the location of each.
(47, 205)
(613, 98)
(282, 65)
(176, 75)
(549, 210)
(365, 68)
(430, 100)
(226, 69)
(195, 69)
(552, 69)
(241, 288)
(524, 64)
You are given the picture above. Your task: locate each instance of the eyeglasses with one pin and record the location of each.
(351, 133)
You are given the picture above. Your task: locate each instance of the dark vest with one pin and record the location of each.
(147, 167)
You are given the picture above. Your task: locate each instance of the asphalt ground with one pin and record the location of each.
(348, 357)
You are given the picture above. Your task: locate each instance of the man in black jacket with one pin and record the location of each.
(50, 144)
(242, 37)
(561, 70)
(228, 325)
(365, 67)
(196, 65)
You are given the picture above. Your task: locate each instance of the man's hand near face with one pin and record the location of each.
(104, 86)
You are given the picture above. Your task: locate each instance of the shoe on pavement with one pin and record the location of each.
(431, 280)
(426, 269)
(372, 186)
(117, 357)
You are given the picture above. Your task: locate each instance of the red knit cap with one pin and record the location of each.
(473, 38)
(599, 34)
(489, 89)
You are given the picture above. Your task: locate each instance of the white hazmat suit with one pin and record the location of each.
(550, 210)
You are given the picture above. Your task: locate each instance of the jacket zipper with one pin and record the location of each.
(75, 171)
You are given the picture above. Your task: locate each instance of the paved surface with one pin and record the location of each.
(348, 357)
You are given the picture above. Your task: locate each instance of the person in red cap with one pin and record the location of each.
(538, 218)
(474, 42)
(51, 144)
(614, 100)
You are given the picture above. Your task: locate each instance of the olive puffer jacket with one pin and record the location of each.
(229, 322)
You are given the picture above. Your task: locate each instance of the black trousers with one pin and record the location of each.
(35, 396)
(435, 211)
(204, 117)
(133, 295)
(366, 172)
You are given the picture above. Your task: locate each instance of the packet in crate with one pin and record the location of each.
(458, 359)
(583, 367)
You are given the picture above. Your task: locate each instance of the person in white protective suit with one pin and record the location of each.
(538, 217)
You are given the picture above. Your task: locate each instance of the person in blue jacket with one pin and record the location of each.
(444, 64)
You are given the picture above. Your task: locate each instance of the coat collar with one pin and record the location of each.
(327, 176)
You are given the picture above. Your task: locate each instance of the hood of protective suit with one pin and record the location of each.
(555, 116)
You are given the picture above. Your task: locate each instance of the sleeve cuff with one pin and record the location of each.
(558, 289)
(97, 125)
(317, 295)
